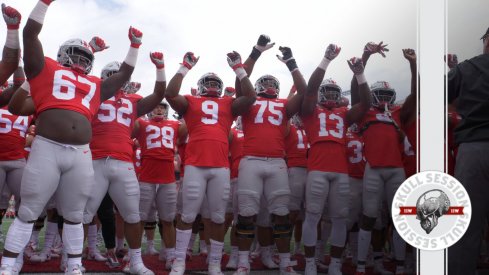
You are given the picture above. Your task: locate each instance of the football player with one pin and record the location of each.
(208, 117)
(66, 99)
(262, 170)
(326, 123)
(112, 151)
(158, 139)
(384, 170)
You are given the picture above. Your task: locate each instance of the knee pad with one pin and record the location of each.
(367, 223)
(245, 228)
(282, 229)
(149, 225)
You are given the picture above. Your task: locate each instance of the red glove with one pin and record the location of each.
(11, 16)
(229, 91)
(189, 60)
(157, 59)
(97, 44)
(135, 36)
(47, 2)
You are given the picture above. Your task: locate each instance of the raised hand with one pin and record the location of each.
(157, 59)
(11, 16)
(234, 60)
(133, 87)
(356, 65)
(332, 52)
(189, 60)
(372, 47)
(229, 91)
(97, 44)
(409, 54)
(287, 58)
(263, 43)
(451, 60)
(135, 36)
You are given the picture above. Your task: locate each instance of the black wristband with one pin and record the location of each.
(291, 64)
(255, 53)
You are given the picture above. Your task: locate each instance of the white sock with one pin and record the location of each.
(310, 261)
(92, 237)
(74, 261)
(135, 256)
(244, 259)
(183, 237)
(203, 245)
(266, 251)
(216, 252)
(364, 238)
(73, 238)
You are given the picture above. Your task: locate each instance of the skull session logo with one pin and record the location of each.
(431, 210)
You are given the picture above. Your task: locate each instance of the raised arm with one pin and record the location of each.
(369, 49)
(113, 83)
(177, 101)
(11, 50)
(148, 103)
(19, 78)
(294, 103)
(33, 52)
(358, 111)
(408, 109)
(311, 96)
(262, 45)
(243, 102)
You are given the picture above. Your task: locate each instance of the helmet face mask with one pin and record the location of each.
(209, 85)
(76, 54)
(267, 86)
(382, 94)
(329, 94)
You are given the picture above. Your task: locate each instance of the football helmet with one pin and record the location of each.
(209, 85)
(296, 121)
(267, 86)
(110, 69)
(329, 93)
(76, 53)
(382, 94)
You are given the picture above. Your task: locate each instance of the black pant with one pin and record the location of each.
(472, 170)
(106, 216)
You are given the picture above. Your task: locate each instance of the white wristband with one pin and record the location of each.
(26, 86)
(12, 39)
(183, 70)
(39, 12)
(132, 57)
(324, 63)
(160, 75)
(361, 78)
(240, 73)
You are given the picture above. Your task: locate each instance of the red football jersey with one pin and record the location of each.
(236, 151)
(296, 146)
(181, 153)
(12, 135)
(209, 121)
(325, 130)
(381, 139)
(264, 127)
(158, 139)
(354, 153)
(58, 87)
(112, 127)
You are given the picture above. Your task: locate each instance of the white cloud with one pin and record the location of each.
(212, 28)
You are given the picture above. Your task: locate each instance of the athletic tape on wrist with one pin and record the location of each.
(12, 39)
(361, 78)
(324, 63)
(183, 70)
(132, 57)
(160, 75)
(39, 12)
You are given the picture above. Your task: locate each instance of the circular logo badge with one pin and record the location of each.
(431, 210)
